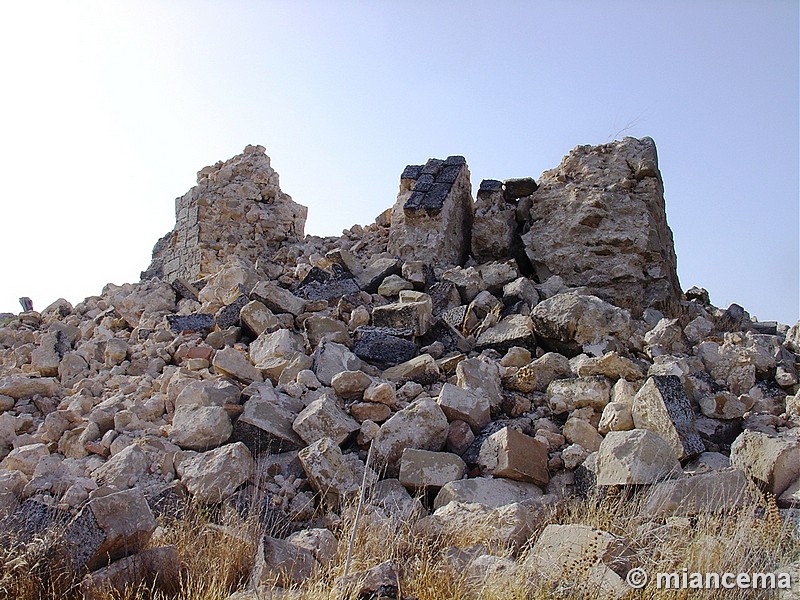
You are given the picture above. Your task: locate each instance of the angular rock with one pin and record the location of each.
(190, 323)
(511, 454)
(464, 405)
(20, 386)
(331, 358)
(422, 369)
(154, 568)
(514, 330)
(421, 425)
(611, 365)
(699, 494)
(281, 343)
(661, 405)
(772, 462)
(494, 225)
(489, 492)
(211, 477)
(599, 220)
(378, 346)
(636, 457)
(350, 385)
(330, 285)
(277, 299)
(200, 427)
(232, 363)
(320, 542)
(423, 469)
(376, 271)
(566, 395)
(258, 318)
(481, 377)
(416, 316)
(324, 328)
(333, 475)
(282, 563)
(583, 433)
(264, 426)
(323, 418)
(536, 376)
(108, 528)
(616, 417)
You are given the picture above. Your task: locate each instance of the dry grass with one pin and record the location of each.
(216, 559)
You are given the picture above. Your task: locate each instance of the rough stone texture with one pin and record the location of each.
(481, 377)
(282, 563)
(432, 217)
(200, 427)
(19, 386)
(154, 568)
(108, 528)
(422, 469)
(416, 316)
(489, 492)
(265, 426)
(598, 220)
(378, 346)
(610, 365)
(536, 376)
(332, 474)
(422, 369)
(635, 457)
(565, 395)
(464, 405)
(494, 224)
(236, 209)
(215, 475)
(702, 493)
(568, 551)
(514, 330)
(421, 425)
(232, 363)
(571, 323)
(324, 418)
(772, 462)
(277, 299)
(661, 405)
(514, 455)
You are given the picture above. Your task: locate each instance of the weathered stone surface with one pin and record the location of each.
(772, 462)
(332, 474)
(572, 322)
(610, 365)
(20, 386)
(519, 187)
(376, 271)
(565, 395)
(323, 418)
(481, 377)
(320, 542)
(191, 323)
(464, 405)
(509, 525)
(514, 330)
(422, 469)
(571, 550)
(258, 318)
(152, 298)
(319, 328)
(215, 475)
(422, 369)
(326, 285)
(665, 338)
(494, 225)
(635, 457)
(378, 346)
(200, 427)
(536, 376)
(29, 520)
(24, 458)
(154, 568)
(432, 216)
(726, 406)
(616, 417)
(702, 493)
(599, 220)
(421, 425)
(416, 316)
(265, 426)
(108, 528)
(124, 469)
(331, 358)
(661, 405)
(237, 209)
(282, 343)
(350, 385)
(277, 299)
(489, 492)
(581, 432)
(511, 454)
(232, 363)
(282, 563)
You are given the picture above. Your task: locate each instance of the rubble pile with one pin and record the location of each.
(468, 360)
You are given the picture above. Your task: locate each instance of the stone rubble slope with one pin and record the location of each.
(472, 361)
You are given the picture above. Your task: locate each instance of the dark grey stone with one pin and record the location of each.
(444, 296)
(680, 412)
(196, 322)
(376, 272)
(455, 159)
(519, 188)
(490, 185)
(455, 316)
(424, 183)
(411, 172)
(228, 316)
(432, 166)
(184, 289)
(451, 338)
(30, 520)
(376, 346)
(449, 174)
(327, 285)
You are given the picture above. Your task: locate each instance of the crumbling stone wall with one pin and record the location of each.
(432, 217)
(237, 209)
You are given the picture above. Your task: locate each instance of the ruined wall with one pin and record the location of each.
(237, 209)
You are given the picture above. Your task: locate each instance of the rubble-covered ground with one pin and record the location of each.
(470, 430)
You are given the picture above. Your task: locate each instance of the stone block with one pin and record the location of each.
(511, 454)
(277, 299)
(422, 369)
(464, 405)
(211, 477)
(236, 365)
(331, 474)
(154, 568)
(772, 462)
(699, 494)
(323, 418)
(416, 316)
(423, 469)
(377, 346)
(488, 491)
(637, 457)
(264, 426)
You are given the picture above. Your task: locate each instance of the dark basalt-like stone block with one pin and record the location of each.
(196, 322)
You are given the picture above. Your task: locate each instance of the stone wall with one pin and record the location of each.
(237, 209)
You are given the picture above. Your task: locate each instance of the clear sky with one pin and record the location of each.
(110, 108)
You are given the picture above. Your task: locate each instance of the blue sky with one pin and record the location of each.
(111, 108)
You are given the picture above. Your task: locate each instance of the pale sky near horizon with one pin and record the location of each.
(110, 108)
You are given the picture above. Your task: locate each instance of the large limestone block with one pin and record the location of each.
(416, 316)
(333, 475)
(481, 377)
(432, 217)
(236, 365)
(636, 457)
(213, 476)
(661, 405)
(331, 359)
(571, 550)
(200, 427)
(280, 562)
(599, 220)
(156, 568)
(489, 492)
(570, 323)
(565, 395)
(20, 386)
(422, 469)
(421, 425)
(280, 344)
(494, 223)
(536, 376)
(511, 454)
(323, 418)
(698, 494)
(107, 528)
(422, 369)
(459, 404)
(265, 426)
(277, 299)
(772, 462)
